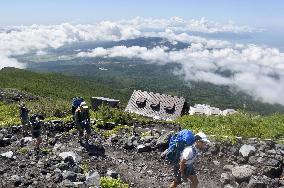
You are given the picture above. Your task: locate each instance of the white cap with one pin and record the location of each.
(83, 103)
(203, 137)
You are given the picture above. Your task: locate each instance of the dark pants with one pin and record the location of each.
(188, 171)
(36, 133)
(81, 128)
(25, 123)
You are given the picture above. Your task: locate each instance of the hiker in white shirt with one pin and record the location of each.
(184, 169)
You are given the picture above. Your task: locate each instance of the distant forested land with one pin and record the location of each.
(124, 75)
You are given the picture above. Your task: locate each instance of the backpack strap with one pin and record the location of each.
(194, 153)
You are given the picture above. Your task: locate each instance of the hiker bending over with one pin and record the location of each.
(24, 116)
(183, 168)
(82, 121)
(37, 123)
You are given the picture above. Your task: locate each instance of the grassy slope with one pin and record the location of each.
(54, 85)
(136, 74)
(57, 90)
(247, 126)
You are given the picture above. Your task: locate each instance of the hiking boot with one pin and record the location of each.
(87, 144)
(37, 150)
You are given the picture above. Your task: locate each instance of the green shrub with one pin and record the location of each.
(240, 124)
(108, 114)
(85, 166)
(49, 108)
(23, 151)
(9, 115)
(115, 130)
(56, 108)
(147, 133)
(108, 182)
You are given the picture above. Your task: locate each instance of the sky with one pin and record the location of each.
(258, 13)
(244, 37)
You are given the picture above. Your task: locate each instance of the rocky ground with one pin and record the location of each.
(13, 95)
(133, 156)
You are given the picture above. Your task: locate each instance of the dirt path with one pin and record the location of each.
(147, 170)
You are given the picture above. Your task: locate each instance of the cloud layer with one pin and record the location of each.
(256, 70)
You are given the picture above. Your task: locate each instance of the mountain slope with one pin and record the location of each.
(128, 75)
(54, 85)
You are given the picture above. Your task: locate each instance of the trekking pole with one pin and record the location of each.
(133, 126)
(46, 136)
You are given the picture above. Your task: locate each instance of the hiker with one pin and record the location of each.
(82, 121)
(75, 104)
(24, 116)
(36, 122)
(183, 167)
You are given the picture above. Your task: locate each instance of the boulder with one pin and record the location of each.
(3, 170)
(4, 141)
(67, 183)
(262, 182)
(27, 139)
(265, 161)
(163, 141)
(253, 160)
(228, 167)
(247, 150)
(128, 144)
(147, 139)
(229, 186)
(225, 178)
(69, 160)
(76, 157)
(8, 155)
(272, 172)
(56, 177)
(243, 173)
(143, 148)
(69, 175)
(216, 163)
(16, 180)
(271, 152)
(281, 182)
(80, 177)
(93, 179)
(213, 149)
(112, 174)
(234, 150)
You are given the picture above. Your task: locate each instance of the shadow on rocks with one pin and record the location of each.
(95, 150)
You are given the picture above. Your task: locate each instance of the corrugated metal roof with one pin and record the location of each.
(155, 105)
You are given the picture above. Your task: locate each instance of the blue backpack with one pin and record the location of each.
(177, 144)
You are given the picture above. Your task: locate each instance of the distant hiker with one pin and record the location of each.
(75, 104)
(82, 121)
(37, 123)
(182, 152)
(24, 116)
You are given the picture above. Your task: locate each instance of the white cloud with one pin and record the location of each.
(40, 53)
(22, 39)
(179, 25)
(253, 66)
(10, 62)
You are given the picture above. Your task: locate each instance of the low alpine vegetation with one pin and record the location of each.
(108, 182)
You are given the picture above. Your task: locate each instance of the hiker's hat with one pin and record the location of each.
(83, 103)
(203, 137)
